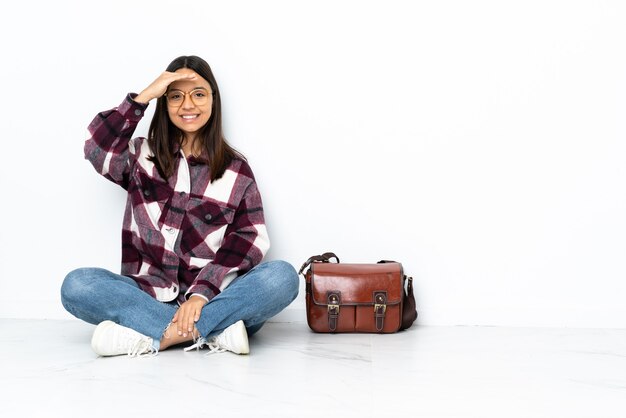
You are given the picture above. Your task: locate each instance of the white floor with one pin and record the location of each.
(49, 370)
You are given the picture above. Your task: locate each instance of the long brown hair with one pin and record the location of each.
(164, 136)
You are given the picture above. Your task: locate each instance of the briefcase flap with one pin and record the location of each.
(356, 284)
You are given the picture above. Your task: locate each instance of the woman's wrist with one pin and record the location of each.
(143, 98)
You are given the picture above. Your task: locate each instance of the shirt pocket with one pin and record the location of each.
(205, 228)
(150, 199)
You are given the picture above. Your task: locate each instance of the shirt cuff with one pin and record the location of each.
(199, 294)
(132, 110)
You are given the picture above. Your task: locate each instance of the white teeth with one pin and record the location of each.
(189, 116)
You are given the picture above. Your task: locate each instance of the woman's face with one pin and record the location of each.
(189, 103)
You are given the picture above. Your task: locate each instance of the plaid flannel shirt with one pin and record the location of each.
(185, 235)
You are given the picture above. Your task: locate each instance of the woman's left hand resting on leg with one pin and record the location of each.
(188, 314)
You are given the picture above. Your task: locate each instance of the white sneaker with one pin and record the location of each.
(111, 339)
(233, 339)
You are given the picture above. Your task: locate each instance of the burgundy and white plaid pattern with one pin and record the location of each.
(185, 235)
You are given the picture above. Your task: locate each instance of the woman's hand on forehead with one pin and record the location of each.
(159, 86)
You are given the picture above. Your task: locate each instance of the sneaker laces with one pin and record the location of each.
(214, 347)
(211, 344)
(142, 348)
(198, 344)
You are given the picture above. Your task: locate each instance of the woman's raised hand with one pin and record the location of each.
(159, 86)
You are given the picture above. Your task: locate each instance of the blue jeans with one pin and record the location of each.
(95, 295)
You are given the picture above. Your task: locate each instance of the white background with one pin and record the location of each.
(480, 143)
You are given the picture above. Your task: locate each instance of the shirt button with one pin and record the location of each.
(208, 217)
(182, 193)
(170, 230)
(137, 112)
(146, 193)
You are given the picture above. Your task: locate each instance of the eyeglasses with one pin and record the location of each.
(198, 96)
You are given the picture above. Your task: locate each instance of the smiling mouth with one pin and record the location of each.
(189, 117)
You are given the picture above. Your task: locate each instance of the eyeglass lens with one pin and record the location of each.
(198, 96)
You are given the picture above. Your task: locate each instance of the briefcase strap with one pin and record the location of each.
(333, 301)
(324, 258)
(380, 307)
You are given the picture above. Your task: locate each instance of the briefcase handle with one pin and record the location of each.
(324, 258)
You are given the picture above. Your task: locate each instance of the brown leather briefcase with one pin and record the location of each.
(357, 297)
